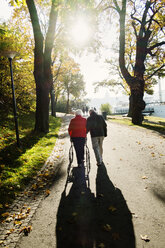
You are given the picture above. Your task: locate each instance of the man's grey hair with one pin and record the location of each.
(78, 112)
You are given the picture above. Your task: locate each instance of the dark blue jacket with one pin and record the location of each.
(96, 125)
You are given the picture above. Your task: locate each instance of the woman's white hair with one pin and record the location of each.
(78, 112)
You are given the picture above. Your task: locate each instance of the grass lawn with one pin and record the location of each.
(150, 122)
(19, 165)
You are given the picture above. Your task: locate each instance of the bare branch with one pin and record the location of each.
(144, 17)
(155, 72)
(134, 27)
(117, 6)
(154, 46)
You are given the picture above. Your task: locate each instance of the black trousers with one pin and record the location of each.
(79, 143)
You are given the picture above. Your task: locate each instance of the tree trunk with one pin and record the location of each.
(52, 96)
(137, 104)
(42, 110)
(42, 64)
(67, 106)
(130, 107)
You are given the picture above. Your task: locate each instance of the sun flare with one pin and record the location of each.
(80, 32)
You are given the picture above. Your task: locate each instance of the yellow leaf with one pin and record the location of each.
(47, 192)
(107, 227)
(34, 186)
(74, 214)
(5, 214)
(100, 195)
(17, 223)
(9, 231)
(26, 230)
(28, 210)
(101, 245)
(1, 206)
(153, 154)
(59, 228)
(112, 208)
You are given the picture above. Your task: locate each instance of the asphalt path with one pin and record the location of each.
(122, 205)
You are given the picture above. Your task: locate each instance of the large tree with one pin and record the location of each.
(44, 37)
(42, 62)
(148, 29)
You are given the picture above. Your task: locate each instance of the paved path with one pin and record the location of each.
(126, 197)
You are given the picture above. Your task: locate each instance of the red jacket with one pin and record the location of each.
(77, 127)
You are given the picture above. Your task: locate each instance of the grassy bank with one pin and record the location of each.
(150, 122)
(19, 165)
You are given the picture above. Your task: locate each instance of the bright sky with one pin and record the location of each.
(92, 70)
(4, 10)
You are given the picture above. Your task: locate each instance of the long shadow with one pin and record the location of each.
(84, 221)
(75, 214)
(114, 227)
(160, 129)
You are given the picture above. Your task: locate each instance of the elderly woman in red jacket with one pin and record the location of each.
(77, 132)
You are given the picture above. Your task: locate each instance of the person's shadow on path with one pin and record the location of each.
(75, 214)
(114, 226)
(84, 221)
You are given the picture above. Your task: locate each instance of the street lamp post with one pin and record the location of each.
(10, 55)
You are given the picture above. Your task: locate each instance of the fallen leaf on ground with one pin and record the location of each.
(100, 195)
(17, 223)
(26, 230)
(47, 192)
(74, 214)
(134, 215)
(34, 186)
(10, 231)
(153, 154)
(144, 177)
(115, 236)
(107, 228)
(112, 208)
(5, 214)
(59, 228)
(150, 147)
(145, 238)
(101, 245)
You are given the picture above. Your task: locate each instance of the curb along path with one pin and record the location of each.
(23, 208)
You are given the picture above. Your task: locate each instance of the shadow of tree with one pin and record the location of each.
(159, 189)
(86, 221)
(157, 128)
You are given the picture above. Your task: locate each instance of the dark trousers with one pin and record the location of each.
(79, 143)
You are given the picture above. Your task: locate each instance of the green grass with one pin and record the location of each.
(150, 122)
(19, 165)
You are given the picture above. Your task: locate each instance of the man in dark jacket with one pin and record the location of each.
(97, 127)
